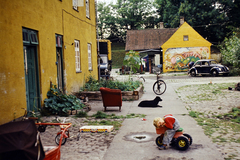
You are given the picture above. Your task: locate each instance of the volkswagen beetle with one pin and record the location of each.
(208, 67)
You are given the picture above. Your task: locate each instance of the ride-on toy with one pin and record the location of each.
(180, 140)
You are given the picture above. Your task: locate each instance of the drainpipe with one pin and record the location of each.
(98, 57)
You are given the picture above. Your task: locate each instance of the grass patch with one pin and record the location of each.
(110, 119)
(205, 92)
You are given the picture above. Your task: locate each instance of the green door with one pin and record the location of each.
(31, 77)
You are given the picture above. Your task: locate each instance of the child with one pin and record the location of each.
(172, 124)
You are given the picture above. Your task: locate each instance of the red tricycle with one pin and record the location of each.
(180, 140)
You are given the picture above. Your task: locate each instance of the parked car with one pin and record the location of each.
(208, 67)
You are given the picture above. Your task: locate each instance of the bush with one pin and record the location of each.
(94, 85)
(58, 103)
(234, 72)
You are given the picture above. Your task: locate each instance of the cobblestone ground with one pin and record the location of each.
(90, 146)
(93, 146)
(212, 102)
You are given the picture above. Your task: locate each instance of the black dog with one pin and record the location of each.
(151, 103)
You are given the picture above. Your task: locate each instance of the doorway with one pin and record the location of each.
(30, 44)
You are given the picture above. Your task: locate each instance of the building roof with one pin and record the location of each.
(148, 39)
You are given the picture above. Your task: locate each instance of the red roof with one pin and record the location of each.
(147, 39)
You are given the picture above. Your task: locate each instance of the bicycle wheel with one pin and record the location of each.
(159, 87)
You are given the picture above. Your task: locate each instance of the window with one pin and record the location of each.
(77, 56)
(89, 57)
(185, 38)
(29, 36)
(87, 9)
(58, 40)
(77, 3)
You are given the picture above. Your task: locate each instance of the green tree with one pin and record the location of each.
(208, 17)
(115, 19)
(107, 25)
(132, 60)
(231, 51)
(132, 13)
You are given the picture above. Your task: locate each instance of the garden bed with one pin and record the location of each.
(126, 95)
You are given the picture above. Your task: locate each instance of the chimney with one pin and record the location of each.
(161, 25)
(181, 20)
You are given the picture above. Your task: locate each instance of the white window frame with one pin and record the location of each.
(87, 9)
(89, 56)
(77, 55)
(75, 4)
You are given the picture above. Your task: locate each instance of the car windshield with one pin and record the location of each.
(213, 62)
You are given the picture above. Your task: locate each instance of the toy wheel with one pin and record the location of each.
(182, 143)
(189, 138)
(159, 87)
(57, 139)
(159, 140)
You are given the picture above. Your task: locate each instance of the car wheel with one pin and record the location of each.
(214, 73)
(193, 74)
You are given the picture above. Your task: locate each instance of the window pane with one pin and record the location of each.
(87, 9)
(89, 57)
(77, 55)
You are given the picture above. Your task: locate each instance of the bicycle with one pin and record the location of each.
(65, 135)
(159, 87)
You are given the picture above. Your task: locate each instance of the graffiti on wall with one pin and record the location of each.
(177, 59)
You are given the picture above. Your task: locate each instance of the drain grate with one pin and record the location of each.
(140, 137)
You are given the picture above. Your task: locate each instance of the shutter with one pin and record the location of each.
(33, 37)
(26, 38)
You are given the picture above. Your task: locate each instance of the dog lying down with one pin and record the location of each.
(150, 103)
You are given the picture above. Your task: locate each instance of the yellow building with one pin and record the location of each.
(184, 46)
(171, 48)
(43, 42)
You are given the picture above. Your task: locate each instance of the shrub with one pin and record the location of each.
(59, 103)
(94, 85)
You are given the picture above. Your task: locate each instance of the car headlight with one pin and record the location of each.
(220, 69)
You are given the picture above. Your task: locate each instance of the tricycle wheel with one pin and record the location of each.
(57, 139)
(159, 140)
(189, 138)
(182, 143)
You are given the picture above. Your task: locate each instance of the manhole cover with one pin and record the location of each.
(140, 137)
